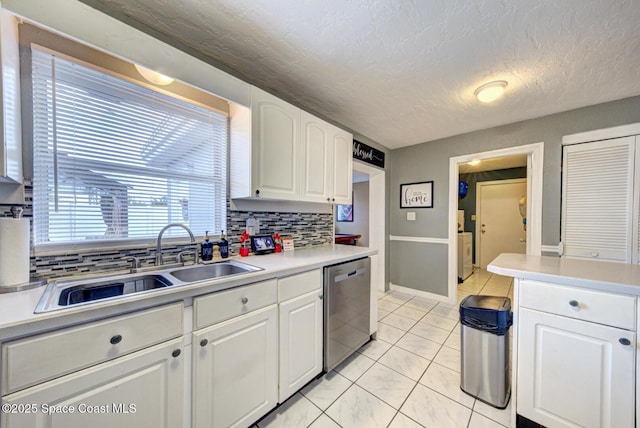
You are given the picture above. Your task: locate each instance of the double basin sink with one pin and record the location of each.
(67, 293)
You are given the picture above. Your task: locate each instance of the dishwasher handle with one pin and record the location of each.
(344, 276)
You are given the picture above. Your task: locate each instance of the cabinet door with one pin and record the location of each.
(275, 147)
(318, 164)
(597, 199)
(342, 167)
(575, 373)
(143, 389)
(300, 342)
(235, 370)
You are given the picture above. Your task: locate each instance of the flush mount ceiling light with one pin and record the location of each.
(490, 91)
(154, 76)
(474, 162)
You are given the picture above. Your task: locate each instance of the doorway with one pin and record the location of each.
(533, 244)
(498, 214)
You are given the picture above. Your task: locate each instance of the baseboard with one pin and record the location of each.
(419, 293)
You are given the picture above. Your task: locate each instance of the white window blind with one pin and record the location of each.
(117, 161)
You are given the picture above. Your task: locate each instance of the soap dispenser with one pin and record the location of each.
(207, 248)
(223, 244)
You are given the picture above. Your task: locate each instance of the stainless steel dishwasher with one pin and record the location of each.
(347, 291)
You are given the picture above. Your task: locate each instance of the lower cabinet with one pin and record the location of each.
(573, 372)
(300, 342)
(142, 389)
(235, 370)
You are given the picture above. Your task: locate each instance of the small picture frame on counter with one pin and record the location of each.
(287, 243)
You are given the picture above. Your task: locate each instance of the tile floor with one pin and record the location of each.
(408, 377)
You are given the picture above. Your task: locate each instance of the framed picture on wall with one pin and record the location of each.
(344, 212)
(416, 195)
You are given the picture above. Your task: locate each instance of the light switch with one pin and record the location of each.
(473, 217)
(411, 216)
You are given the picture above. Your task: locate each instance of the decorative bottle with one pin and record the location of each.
(206, 248)
(223, 244)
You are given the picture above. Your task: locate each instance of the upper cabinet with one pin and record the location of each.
(601, 195)
(10, 124)
(281, 152)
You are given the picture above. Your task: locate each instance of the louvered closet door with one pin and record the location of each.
(597, 199)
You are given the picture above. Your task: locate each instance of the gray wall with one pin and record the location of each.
(430, 161)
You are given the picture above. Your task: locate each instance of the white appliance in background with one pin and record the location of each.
(460, 220)
(465, 255)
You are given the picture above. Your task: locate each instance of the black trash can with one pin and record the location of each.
(485, 348)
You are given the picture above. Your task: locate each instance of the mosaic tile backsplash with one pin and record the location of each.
(307, 229)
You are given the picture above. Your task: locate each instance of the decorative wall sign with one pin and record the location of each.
(344, 212)
(368, 154)
(416, 195)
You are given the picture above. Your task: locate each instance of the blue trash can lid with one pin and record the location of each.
(495, 303)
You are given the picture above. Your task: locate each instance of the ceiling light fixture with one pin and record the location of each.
(490, 91)
(474, 162)
(154, 76)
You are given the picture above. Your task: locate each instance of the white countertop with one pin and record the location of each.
(596, 275)
(18, 319)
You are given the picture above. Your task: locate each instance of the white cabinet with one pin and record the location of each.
(601, 195)
(576, 362)
(142, 389)
(235, 370)
(10, 123)
(281, 152)
(301, 315)
(116, 372)
(327, 161)
(235, 356)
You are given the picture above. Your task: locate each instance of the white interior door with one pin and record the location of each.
(499, 227)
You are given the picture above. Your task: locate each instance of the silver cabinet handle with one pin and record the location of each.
(595, 254)
(574, 303)
(624, 341)
(245, 300)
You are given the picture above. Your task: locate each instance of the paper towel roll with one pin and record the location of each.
(14, 251)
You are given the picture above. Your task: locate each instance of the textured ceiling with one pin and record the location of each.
(402, 72)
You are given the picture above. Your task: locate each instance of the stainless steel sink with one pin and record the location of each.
(70, 292)
(212, 271)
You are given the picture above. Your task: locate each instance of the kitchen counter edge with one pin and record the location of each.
(598, 275)
(16, 309)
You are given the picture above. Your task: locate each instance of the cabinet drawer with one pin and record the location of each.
(297, 285)
(35, 359)
(216, 307)
(616, 310)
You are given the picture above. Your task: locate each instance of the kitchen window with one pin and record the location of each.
(117, 161)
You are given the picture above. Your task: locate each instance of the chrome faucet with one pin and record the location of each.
(158, 247)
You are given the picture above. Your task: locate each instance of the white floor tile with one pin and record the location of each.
(447, 382)
(430, 332)
(382, 313)
(386, 384)
(324, 421)
(324, 391)
(420, 305)
(354, 366)
(398, 321)
(432, 409)
(453, 314)
(405, 363)
(359, 408)
(448, 357)
(297, 411)
(503, 416)
(374, 349)
(414, 314)
(388, 333)
(387, 306)
(479, 421)
(439, 321)
(404, 421)
(453, 341)
(422, 347)
(397, 297)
